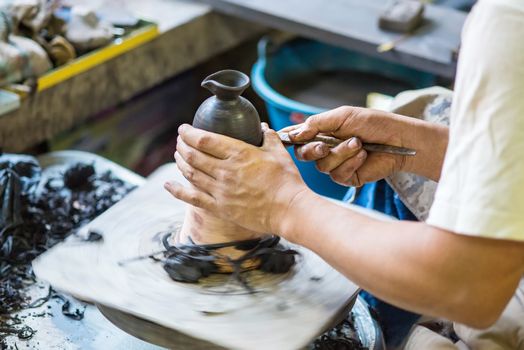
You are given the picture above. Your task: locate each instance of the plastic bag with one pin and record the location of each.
(19, 178)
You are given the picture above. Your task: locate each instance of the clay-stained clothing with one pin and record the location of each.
(432, 105)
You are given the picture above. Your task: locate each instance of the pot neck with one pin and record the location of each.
(226, 85)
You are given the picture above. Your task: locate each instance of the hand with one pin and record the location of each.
(348, 164)
(250, 186)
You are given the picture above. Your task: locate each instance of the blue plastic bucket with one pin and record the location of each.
(300, 57)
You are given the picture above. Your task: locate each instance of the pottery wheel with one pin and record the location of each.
(170, 338)
(286, 311)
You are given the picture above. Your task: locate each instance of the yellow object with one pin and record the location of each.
(90, 60)
(386, 47)
(390, 45)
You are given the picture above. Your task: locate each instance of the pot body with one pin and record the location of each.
(235, 118)
(205, 228)
(229, 114)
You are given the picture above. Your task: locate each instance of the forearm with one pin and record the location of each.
(430, 140)
(410, 265)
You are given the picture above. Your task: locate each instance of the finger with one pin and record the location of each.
(328, 122)
(376, 167)
(190, 195)
(197, 159)
(339, 155)
(312, 151)
(290, 128)
(216, 145)
(195, 176)
(346, 174)
(271, 139)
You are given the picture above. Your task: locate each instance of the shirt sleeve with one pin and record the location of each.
(481, 189)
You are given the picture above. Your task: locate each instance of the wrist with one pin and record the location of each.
(430, 140)
(289, 221)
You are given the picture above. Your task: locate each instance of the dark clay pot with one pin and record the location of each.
(228, 113)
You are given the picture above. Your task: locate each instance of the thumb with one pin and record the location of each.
(271, 138)
(327, 122)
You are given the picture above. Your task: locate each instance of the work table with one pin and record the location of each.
(353, 24)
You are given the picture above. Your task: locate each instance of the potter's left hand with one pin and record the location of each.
(250, 186)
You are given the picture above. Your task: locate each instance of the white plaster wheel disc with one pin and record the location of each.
(286, 311)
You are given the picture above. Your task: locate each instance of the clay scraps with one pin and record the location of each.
(342, 337)
(38, 212)
(189, 263)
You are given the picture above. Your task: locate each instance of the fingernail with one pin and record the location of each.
(295, 133)
(181, 128)
(321, 150)
(354, 143)
(168, 185)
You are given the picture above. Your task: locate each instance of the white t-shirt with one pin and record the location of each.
(481, 189)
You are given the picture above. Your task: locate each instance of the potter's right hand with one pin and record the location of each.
(348, 164)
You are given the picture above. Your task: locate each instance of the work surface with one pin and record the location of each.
(353, 24)
(54, 330)
(292, 308)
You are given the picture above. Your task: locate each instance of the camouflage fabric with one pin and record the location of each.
(20, 58)
(31, 16)
(86, 31)
(433, 105)
(505, 334)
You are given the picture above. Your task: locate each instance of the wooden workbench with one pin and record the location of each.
(189, 34)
